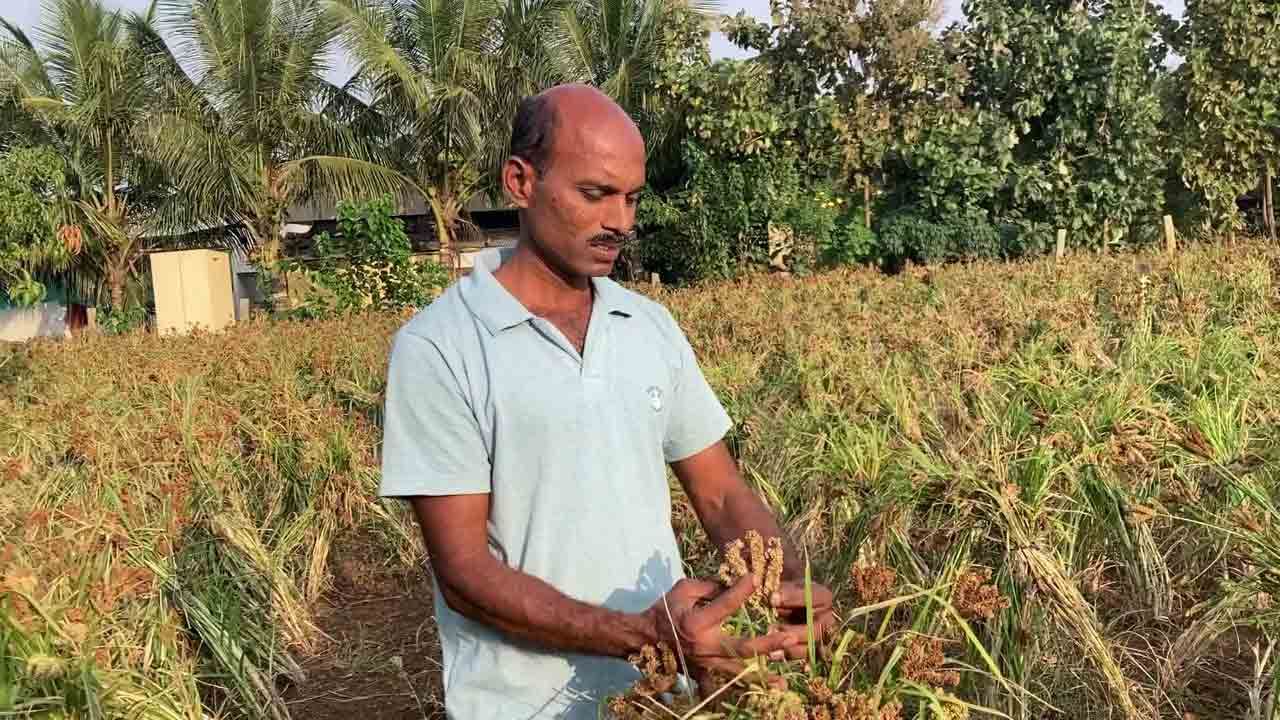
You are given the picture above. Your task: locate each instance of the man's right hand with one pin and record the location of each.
(689, 617)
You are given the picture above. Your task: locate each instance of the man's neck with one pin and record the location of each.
(538, 285)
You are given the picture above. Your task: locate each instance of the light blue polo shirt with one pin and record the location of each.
(484, 397)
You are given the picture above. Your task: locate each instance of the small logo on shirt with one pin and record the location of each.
(655, 397)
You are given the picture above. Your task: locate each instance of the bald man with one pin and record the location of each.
(531, 413)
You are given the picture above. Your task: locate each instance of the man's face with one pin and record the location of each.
(581, 208)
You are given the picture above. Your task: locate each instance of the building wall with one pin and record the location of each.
(18, 324)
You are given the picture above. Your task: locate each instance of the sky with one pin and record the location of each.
(26, 13)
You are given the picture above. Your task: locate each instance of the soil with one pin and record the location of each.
(384, 661)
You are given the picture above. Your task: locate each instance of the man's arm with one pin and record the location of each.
(727, 508)
(480, 587)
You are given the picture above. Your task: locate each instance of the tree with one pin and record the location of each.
(427, 64)
(32, 182)
(1077, 83)
(1232, 102)
(628, 47)
(852, 75)
(447, 76)
(87, 90)
(255, 127)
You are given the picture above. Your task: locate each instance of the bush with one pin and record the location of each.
(909, 235)
(733, 214)
(367, 265)
(849, 243)
(118, 322)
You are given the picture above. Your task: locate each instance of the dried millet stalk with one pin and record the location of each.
(975, 596)
(873, 582)
(819, 691)
(659, 668)
(922, 662)
(853, 705)
(765, 566)
(734, 565)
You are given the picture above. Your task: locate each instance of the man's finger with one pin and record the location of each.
(798, 635)
(697, 590)
(791, 597)
(797, 651)
(762, 645)
(726, 604)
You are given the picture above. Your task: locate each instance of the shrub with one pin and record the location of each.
(116, 322)
(733, 214)
(909, 235)
(849, 243)
(367, 265)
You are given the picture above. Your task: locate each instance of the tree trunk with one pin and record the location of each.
(115, 282)
(866, 201)
(441, 210)
(269, 236)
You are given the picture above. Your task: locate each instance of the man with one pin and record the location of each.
(530, 413)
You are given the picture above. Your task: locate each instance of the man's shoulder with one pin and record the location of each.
(442, 321)
(444, 328)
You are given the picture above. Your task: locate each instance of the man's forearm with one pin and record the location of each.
(530, 610)
(738, 512)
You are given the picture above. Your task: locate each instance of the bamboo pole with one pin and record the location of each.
(1061, 249)
(1170, 237)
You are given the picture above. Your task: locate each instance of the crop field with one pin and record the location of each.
(1042, 490)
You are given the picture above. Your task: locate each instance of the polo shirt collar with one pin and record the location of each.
(499, 310)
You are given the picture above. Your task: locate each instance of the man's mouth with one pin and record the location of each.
(610, 242)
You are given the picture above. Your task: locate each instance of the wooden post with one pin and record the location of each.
(1269, 203)
(91, 319)
(654, 280)
(1106, 236)
(244, 309)
(1061, 250)
(1170, 237)
(866, 201)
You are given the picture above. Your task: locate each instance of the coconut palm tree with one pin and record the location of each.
(449, 74)
(85, 88)
(247, 134)
(429, 68)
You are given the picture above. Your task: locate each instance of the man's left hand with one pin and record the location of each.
(788, 601)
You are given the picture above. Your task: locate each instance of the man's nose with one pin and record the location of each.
(620, 218)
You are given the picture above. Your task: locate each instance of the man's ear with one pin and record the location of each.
(518, 177)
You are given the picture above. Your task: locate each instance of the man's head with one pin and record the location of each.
(576, 169)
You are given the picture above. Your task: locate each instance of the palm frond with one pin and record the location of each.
(342, 178)
(366, 34)
(215, 180)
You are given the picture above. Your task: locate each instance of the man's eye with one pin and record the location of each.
(592, 195)
(633, 200)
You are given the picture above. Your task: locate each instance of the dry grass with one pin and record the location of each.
(1103, 435)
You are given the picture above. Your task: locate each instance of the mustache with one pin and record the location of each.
(620, 240)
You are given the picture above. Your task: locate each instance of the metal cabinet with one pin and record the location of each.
(193, 289)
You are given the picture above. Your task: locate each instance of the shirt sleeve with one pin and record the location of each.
(431, 440)
(697, 418)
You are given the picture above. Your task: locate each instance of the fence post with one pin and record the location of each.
(654, 280)
(1170, 238)
(1061, 249)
